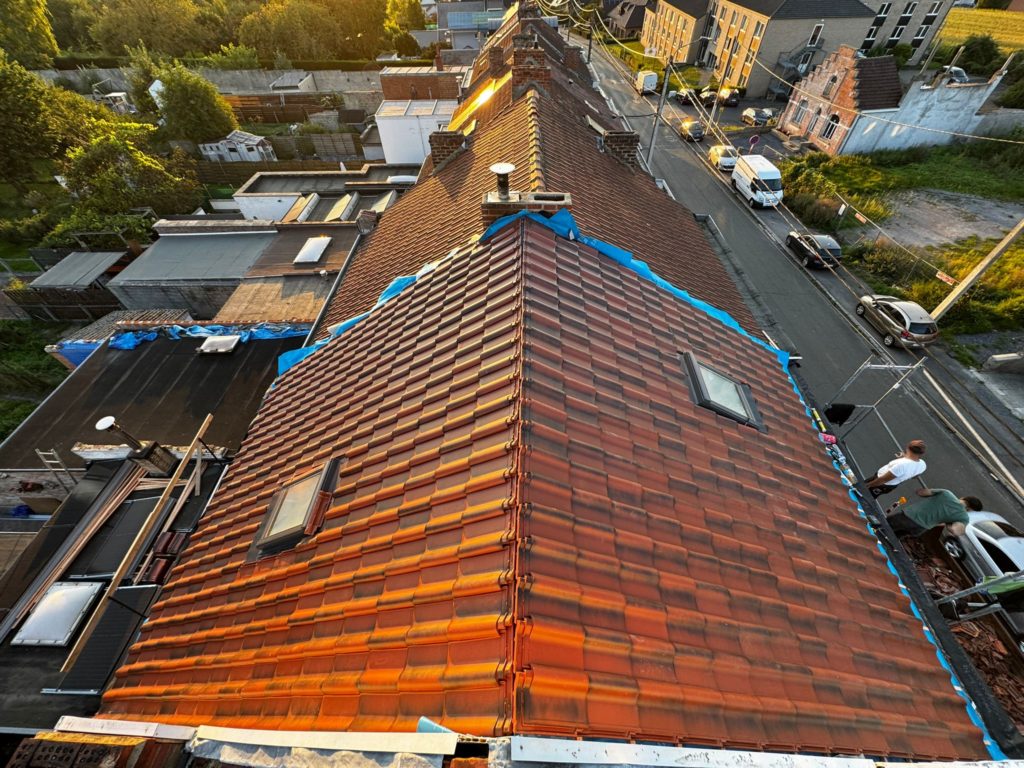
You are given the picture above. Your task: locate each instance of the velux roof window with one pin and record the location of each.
(720, 393)
(297, 510)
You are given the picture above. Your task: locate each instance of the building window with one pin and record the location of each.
(814, 121)
(743, 22)
(758, 29)
(829, 130)
(909, 9)
(920, 35)
(801, 112)
(720, 393)
(815, 37)
(883, 13)
(732, 20)
(934, 10)
(830, 85)
(742, 82)
(805, 62)
(297, 510)
(897, 33)
(872, 34)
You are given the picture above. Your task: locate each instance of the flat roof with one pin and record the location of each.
(299, 182)
(78, 269)
(455, 70)
(197, 257)
(417, 108)
(294, 298)
(161, 390)
(278, 257)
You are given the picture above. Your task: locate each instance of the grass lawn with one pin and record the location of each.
(1006, 27)
(632, 54)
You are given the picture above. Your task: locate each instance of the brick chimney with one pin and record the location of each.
(366, 221)
(495, 61)
(444, 144)
(438, 64)
(573, 59)
(529, 63)
(622, 145)
(503, 201)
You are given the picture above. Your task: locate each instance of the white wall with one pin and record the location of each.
(406, 139)
(948, 107)
(268, 207)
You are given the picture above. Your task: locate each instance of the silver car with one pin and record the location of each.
(990, 548)
(901, 323)
(723, 157)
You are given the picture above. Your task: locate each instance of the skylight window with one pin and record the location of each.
(722, 394)
(297, 510)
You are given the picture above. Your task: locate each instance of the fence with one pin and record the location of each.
(63, 305)
(216, 172)
(326, 146)
(286, 108)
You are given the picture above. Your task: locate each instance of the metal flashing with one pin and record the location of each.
(414, 743)
(71, 724)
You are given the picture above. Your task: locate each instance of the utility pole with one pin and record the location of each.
(590, 40)
(978, 271)
(657, 115)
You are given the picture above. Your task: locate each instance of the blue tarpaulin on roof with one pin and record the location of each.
(75, 352)
(132, 339)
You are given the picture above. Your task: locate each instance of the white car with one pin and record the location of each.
(723, 157)
(991, 547)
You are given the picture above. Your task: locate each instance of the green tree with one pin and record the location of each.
(23, 123)
(406, 45)
(233, 56)
(361, 23)
(192, 108)
(143, 69)
(298, 29)
(25, 32)
(170, 27)
(406, 14)
(71, 20)
(111, 175)
(130, 227)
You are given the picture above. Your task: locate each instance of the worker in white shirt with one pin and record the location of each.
(906, 466)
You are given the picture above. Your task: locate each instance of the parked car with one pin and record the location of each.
(955, 75)
(729, 97)
(687, 96)
(814, 250)
(757, 117)
(723, 157)
(991, 547)
(900, 322)
(758, 181)
(691, 130)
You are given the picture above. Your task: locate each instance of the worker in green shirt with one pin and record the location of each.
(937, 507)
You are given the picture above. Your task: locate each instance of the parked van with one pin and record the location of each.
(757, 181)
(646, 82)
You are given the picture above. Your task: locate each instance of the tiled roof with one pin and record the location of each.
(628, 14)
(538, 531)
(878, 83)
(555, 150)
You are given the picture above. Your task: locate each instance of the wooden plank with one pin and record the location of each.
(133, 550)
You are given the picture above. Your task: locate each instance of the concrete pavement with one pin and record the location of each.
(974, 442)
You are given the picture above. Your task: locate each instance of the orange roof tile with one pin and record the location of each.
(537, 531)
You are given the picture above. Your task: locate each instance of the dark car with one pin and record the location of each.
(817, 251)
(900, 322)
(728, 97)
(691, 130)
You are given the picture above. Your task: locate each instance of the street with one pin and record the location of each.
(812, 315)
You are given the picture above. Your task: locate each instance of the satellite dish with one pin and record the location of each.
(105, 423)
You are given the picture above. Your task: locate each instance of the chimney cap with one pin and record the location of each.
(105, 423)
(502, 168)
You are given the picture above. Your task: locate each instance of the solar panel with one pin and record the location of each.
(58, 613)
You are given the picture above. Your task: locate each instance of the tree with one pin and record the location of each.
(299, 29)
(71, 21)
(192, 108)
(406, 14)
(406, 45)
(170, 27)
(25, 32)
(23, 123)
(111, 175)
(233, 56)
(981, 55)
(143, 69)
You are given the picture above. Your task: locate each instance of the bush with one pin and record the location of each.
(28, 230)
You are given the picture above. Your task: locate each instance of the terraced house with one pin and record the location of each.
(541, 493)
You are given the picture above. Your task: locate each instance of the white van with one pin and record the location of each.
(757, 181)
(646, 82)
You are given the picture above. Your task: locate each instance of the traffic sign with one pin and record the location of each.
(945, 278)
(753, 140)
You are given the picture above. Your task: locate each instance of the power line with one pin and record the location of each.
(881, 119)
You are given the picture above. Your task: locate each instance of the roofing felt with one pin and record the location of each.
(160, 391)
(878, 83)
(536, 530)
(78, 270)
(808, 9)
(295, 298)
(278, 258)
(196, 257)
(113, 322)
(549, 145)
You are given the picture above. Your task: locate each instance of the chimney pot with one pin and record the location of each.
(502, 171)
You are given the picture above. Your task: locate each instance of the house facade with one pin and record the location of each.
(674, 28)
(626, 19)
(901, 22)
(766, 45)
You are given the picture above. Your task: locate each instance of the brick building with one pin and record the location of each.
(415, 83)
(674, 28)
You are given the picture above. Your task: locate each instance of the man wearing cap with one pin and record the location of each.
(906, 466)
(938, 507)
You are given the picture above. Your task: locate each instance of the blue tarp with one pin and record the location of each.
(132, 339)
(75, 352)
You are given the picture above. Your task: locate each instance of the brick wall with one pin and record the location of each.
(622, 145)
(808, 113)
(444, 144)
(436, 85)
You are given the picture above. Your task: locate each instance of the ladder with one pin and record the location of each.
(53, 462)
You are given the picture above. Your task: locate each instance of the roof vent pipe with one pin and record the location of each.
(109, 424)
(502, 171)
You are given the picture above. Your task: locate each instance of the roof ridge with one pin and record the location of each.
(536, 152)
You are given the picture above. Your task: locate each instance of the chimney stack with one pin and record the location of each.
(444, 144)
(504, 201)
(366, 221)
(623, 145)
(495, 61)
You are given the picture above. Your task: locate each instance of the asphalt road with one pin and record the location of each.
(812, 315)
